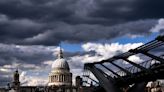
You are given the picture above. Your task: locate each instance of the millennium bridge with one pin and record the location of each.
(120, 74)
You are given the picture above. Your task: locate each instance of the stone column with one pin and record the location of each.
(58, 77)
(55, 78)
(50, 78)
(63, 78)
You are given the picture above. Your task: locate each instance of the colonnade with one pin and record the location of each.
(60, 78)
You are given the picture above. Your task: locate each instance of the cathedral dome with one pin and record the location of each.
(60, 63)
(60, 74)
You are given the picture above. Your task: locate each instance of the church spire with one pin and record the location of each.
(16, 69)
(16, 83)
(60, 55)
(16, 75)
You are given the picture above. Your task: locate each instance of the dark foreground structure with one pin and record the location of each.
(113, 76)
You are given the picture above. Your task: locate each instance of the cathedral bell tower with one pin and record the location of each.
(16, 83)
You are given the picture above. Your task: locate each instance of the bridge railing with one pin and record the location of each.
(135, 67)
(147, 64)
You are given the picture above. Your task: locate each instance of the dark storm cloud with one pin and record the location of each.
(85, 32)
(29, 32)
(148, 9)
(30, 57)
(35, 9)
(49, 22)
(10, 54)
(85, 11)
(128, 10)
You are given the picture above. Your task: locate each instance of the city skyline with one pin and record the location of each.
(88, 30)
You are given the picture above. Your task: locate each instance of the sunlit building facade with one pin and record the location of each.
(60, 74)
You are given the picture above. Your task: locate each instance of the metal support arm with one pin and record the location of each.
(134, 64)
(126, 71)
(106, 82)
(154, 57)
(91, 79)
(111, 70)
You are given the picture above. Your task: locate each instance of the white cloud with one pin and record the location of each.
(159, 26)
(28, 80)
(85, 59)
(48, 62)
(135, 58)
(5, 70)
(109, 50)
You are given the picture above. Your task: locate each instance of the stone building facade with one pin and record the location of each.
(60, 74)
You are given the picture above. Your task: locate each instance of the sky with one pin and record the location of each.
(88, 31)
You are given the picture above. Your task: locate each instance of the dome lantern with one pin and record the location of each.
(60, 62)
(60, 55)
